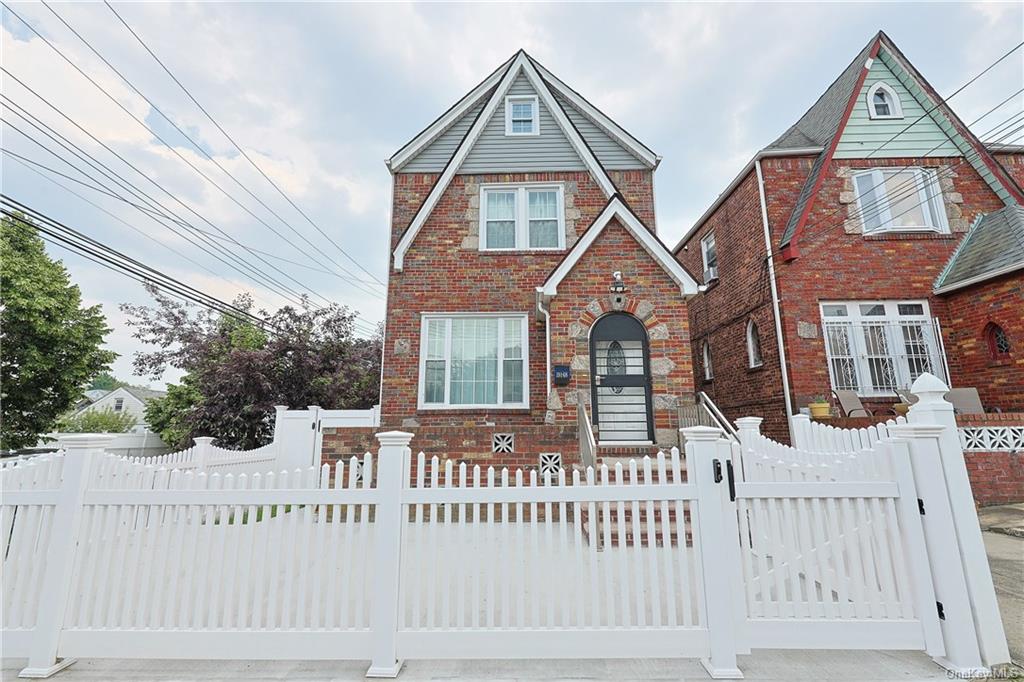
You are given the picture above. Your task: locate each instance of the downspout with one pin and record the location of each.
(775, 293)
(547, 337)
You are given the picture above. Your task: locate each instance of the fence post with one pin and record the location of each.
(748, 429)
(79, 453)
(799, 427)
(204, 448)
(706, 459)
(387, 527)
(953, 604)
(932, 408)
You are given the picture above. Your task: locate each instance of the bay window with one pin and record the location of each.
(525, 217)
(900, 200)
(876, 347)
(470, 361)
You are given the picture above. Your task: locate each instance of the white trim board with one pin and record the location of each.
(617, 209)
(521, 64)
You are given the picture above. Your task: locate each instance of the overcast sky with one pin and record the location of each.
(320, 94)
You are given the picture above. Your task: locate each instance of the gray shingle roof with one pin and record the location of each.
(145, 394)
(995, 243)
(818, 127)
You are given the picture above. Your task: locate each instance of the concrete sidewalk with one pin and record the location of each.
(1004, 543)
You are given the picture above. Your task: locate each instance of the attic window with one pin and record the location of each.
(521, 116)
(883, 102)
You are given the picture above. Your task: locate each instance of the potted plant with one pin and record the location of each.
(901, 408)
(820, 407)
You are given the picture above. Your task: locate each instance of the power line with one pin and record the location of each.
(235, 144)
(171, 148)
(360, 325)
(253, 273)
(120, 262)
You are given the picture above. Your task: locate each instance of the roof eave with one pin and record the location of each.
(731, 187)
(999, 272)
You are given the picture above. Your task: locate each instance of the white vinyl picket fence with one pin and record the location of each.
(710, 552)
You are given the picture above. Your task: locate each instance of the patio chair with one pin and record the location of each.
(965, 401)
(850, 404)
(906, 396)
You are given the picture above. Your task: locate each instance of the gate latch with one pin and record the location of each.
(732, 480)
(718, 471)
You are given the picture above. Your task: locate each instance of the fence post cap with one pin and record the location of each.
(930, 391)
(204, 440)
(701, 433)
(280, 408)
(749, 422)
(400, 438)
(801, 416)
(86, 441)
(312, 407)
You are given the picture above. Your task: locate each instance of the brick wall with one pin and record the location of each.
(444, 271)
(998, 378)
(720, 315)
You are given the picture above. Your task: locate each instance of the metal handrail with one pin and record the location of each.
(717, 417)
(588, 444)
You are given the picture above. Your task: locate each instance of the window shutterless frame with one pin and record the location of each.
(446, 319)
(511, 117)
(522, 215)
(924, 193)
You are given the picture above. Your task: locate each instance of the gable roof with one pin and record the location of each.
(520, 64)
(618, 209)
(586, 116)
(993, 246)
(823, 123)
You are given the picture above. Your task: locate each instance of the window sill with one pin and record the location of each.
(891, 235)
(754, 370)
(519, 252)
(1005, 361)
(471, 409)
(705, 382)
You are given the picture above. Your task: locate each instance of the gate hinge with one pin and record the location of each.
(942, 612)
(920, 506)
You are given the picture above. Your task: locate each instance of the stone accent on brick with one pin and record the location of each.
(806, 330)
(664, 401)
(580, 363)
(402, 347)
(554, 400)
(662, 367)
(644, 310)
(658, 332)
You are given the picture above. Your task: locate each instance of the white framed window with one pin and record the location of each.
(900, 200)
(709, 373)
(877, 347)
(473, 360)
(709, 254)
(118, 404)
(754, 358)
(522, 115)
(522, 217)
(883, 102)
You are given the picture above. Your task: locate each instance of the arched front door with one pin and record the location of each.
(621, 386)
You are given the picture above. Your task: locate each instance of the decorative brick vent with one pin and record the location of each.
(549, 464)
(503, 443)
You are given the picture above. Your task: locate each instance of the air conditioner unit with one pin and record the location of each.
(710, 274)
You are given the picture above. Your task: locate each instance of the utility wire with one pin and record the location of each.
(195, 144)
(235, 144)
(250, 271)
(172, 149)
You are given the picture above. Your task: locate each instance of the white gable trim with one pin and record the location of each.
(620, 135)
(520, 64)
(435, 129)
(657, 250)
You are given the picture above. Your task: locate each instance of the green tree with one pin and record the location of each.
(235, 372)
(97, 421)
(51, 343)
(105, 381)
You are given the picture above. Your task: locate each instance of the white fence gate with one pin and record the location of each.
(708, 553)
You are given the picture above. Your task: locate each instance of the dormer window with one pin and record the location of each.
(521, 116)
(883, 102)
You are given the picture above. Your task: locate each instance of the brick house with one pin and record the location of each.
(822, 258)
(527, 278)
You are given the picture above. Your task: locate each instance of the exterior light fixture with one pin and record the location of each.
(618, 286)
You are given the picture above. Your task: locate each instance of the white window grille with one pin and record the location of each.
(877, 347)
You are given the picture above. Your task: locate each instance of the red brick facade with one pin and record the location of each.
(973, 361)
(445, 271)
(836, 263)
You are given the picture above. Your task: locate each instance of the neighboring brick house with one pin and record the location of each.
(983, 286)
(525, 262)
(860, 205)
